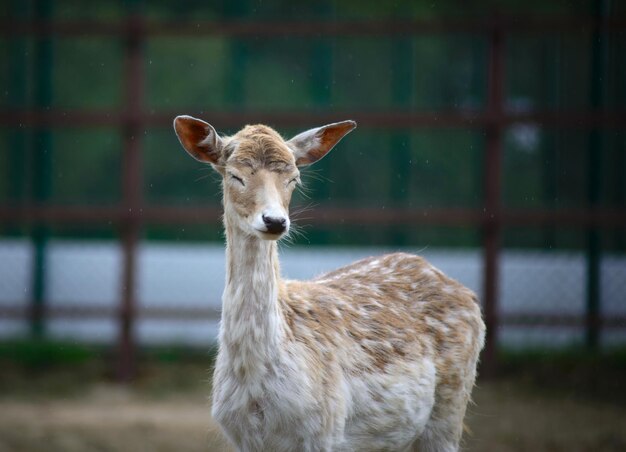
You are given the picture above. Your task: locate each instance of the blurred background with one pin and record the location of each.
(491, 140)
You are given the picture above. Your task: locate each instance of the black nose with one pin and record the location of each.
(274, 225)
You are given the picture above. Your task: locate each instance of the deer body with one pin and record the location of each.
(378, 355)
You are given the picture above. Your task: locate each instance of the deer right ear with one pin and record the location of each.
(310, 146)
(199, 139)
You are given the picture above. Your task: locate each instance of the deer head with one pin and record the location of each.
(259, 169)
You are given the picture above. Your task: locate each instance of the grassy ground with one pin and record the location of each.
(61, 398)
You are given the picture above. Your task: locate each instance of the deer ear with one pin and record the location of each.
(310, 146)
(199, 139)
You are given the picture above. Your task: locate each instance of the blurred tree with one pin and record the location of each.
(377, 167)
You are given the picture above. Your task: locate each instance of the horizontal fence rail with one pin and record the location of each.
(80, 311)
(327, 215)
(382, 119)
(513, 24)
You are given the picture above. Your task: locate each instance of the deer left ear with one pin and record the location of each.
(310, 146)
(199, 139)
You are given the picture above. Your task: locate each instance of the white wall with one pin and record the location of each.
(192, 275)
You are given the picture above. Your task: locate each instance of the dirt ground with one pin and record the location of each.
(106, 417)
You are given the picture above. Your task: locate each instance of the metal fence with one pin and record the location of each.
(134, 213)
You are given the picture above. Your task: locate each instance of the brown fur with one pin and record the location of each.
(384, 314)
(259, 146)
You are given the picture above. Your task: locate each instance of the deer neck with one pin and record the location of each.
(252, 325)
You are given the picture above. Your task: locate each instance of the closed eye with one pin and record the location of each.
(294, 180)
(238, 179)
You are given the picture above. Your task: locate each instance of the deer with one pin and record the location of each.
(379, 355)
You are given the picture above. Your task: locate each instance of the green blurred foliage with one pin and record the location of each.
(36, 355)
(549, 70)
(87, 73)
(381, 168)
(87, 166)
(187, 72)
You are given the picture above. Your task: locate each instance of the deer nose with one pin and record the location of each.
(275, 225)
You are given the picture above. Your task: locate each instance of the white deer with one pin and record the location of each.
(380, 355)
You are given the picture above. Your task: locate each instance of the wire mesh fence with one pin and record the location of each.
(523, 205)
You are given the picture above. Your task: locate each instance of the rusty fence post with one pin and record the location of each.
(492, 192)
(132, 182)
(593, 252)
(42, 167)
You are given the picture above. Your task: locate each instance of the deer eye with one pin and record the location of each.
(238, 179)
